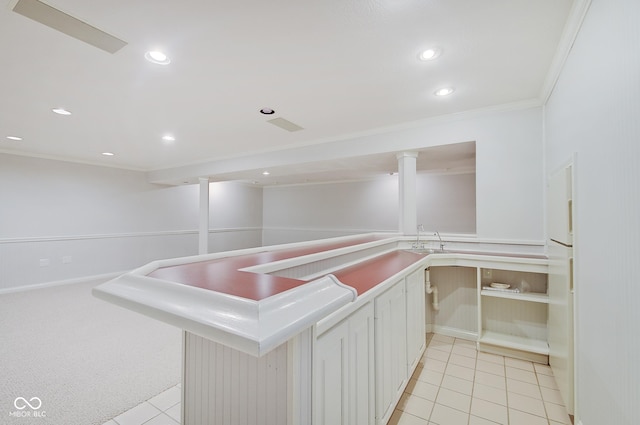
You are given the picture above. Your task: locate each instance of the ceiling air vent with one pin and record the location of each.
(60, 21)
(285, 124)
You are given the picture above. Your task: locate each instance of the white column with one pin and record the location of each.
(203, 228)
(407, 210)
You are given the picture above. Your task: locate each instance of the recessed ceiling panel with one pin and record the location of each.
(285, 124)
(67, 24)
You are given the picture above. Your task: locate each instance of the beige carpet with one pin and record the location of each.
(85, 359)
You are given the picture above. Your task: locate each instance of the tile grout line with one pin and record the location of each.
(508, 406)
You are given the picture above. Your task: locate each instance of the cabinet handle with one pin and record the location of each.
(570, 215)
(571, 274)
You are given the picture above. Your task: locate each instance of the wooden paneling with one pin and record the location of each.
(223, 386)
(458, 300)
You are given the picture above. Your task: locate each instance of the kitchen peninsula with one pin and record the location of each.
(322, 332)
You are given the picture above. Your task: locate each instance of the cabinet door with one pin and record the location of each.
(390, 349)
(361, 367)
(416, 332)
(559, 207)
(331, 377)
(560, 324)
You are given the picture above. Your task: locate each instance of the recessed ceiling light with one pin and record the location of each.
(158, 57)
(61, 111)
(429, 54)
(267, 111)
(168, 138)
(265, 173)
(108, 153)
(445, 91)
(14, 138)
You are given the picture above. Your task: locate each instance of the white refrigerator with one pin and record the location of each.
(561, 281)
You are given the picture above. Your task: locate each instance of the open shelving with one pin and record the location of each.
(513, 323)
(515, 342)
(523, 296)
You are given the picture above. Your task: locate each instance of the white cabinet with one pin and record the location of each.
(416, 327)
(561, 349)
(362, 364)
(509, 322)
(344, 373)
(361, 367)
(561, 281)
(331, 383)
(390, 350)
(560, 206)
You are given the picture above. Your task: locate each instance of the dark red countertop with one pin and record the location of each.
(366, 275)
(224, 274)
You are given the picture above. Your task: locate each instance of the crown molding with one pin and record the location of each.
(572, 27)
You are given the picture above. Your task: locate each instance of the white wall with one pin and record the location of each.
(44, 198)
(235, 216)
(313, 211)
(446, 202)
(106, 220)
(594, 111)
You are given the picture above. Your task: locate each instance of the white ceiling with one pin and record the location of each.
(333, 67)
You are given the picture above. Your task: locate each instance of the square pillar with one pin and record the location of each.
(203, 227)
(407, 210)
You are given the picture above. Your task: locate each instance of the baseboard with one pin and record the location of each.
(104, 276)
(452, 332)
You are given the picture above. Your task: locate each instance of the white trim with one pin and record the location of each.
(452, 332)
(377, 177)
(183, 367)
(253, 327)
(124, 235)
(70, 160)
(105, 276)
(447, 237)
(329, 230)
(570, 33)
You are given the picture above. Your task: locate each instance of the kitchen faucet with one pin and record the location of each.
(417, 244)
(441, 243)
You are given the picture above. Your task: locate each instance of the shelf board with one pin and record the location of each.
(526, 296)
(514, 342)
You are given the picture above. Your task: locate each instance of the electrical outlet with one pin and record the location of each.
(44, 262)
(66, 259)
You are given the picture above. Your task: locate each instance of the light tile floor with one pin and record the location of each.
(456, 385)
(163, 409)
(453, 385)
